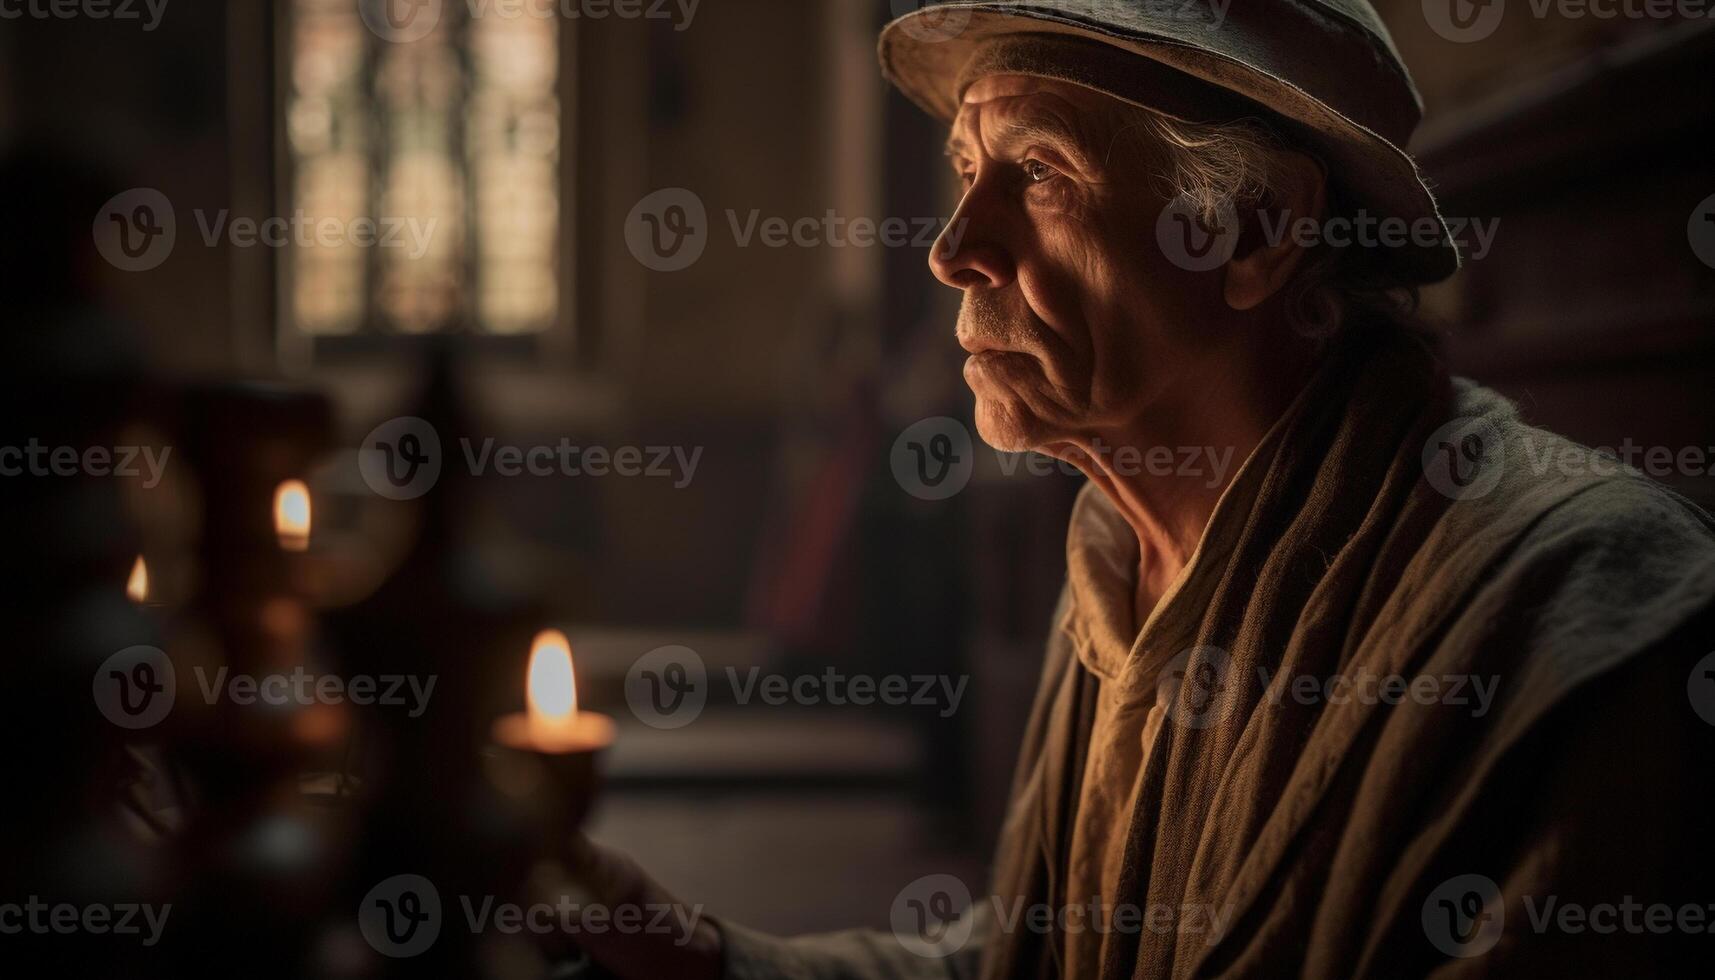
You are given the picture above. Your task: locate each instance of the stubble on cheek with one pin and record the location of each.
(1010, 386)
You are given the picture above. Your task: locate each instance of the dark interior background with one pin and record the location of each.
(795, 369)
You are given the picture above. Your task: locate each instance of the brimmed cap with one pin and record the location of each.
(1325, 72)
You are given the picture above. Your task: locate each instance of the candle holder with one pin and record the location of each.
(553, 785)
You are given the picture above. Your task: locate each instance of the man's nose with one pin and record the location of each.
(968, 253)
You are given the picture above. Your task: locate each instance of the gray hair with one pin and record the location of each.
(1232, 168)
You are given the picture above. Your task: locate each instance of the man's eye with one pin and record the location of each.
(1036, 171)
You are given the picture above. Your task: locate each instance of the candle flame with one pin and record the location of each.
(292, 515)
(137, 586)
(551, 688)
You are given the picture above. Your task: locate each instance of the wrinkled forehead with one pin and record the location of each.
(997, 108)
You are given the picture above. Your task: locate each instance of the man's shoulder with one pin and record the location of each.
(1559, 490)
(1588, 561)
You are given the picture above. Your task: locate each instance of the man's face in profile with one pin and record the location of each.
(1075, 320)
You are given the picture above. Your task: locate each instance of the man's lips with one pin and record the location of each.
(977, 345)
(994, 362)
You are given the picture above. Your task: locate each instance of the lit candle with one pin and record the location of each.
(292, 515)
(552, 723)
(137, 586)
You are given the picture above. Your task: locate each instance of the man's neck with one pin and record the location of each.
(1166, 472)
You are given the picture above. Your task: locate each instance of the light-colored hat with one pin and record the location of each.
(1325, 72)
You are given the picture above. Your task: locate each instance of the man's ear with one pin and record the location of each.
(1300, 190)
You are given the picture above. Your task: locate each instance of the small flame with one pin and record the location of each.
(292, 515)
(552, 690)
(137, 586)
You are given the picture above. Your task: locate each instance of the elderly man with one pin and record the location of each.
(1388, 702)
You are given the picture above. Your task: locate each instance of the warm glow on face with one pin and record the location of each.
(292, 515)
(551, 688)
(137, 586)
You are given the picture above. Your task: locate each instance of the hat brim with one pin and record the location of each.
(923, 55)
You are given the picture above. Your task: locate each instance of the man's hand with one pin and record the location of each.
(682, 944)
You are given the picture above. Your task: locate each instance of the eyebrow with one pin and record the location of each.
(1036, 127)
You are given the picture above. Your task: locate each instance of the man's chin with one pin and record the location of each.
(1007, 426)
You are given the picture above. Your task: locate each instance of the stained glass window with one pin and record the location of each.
(450, 143)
